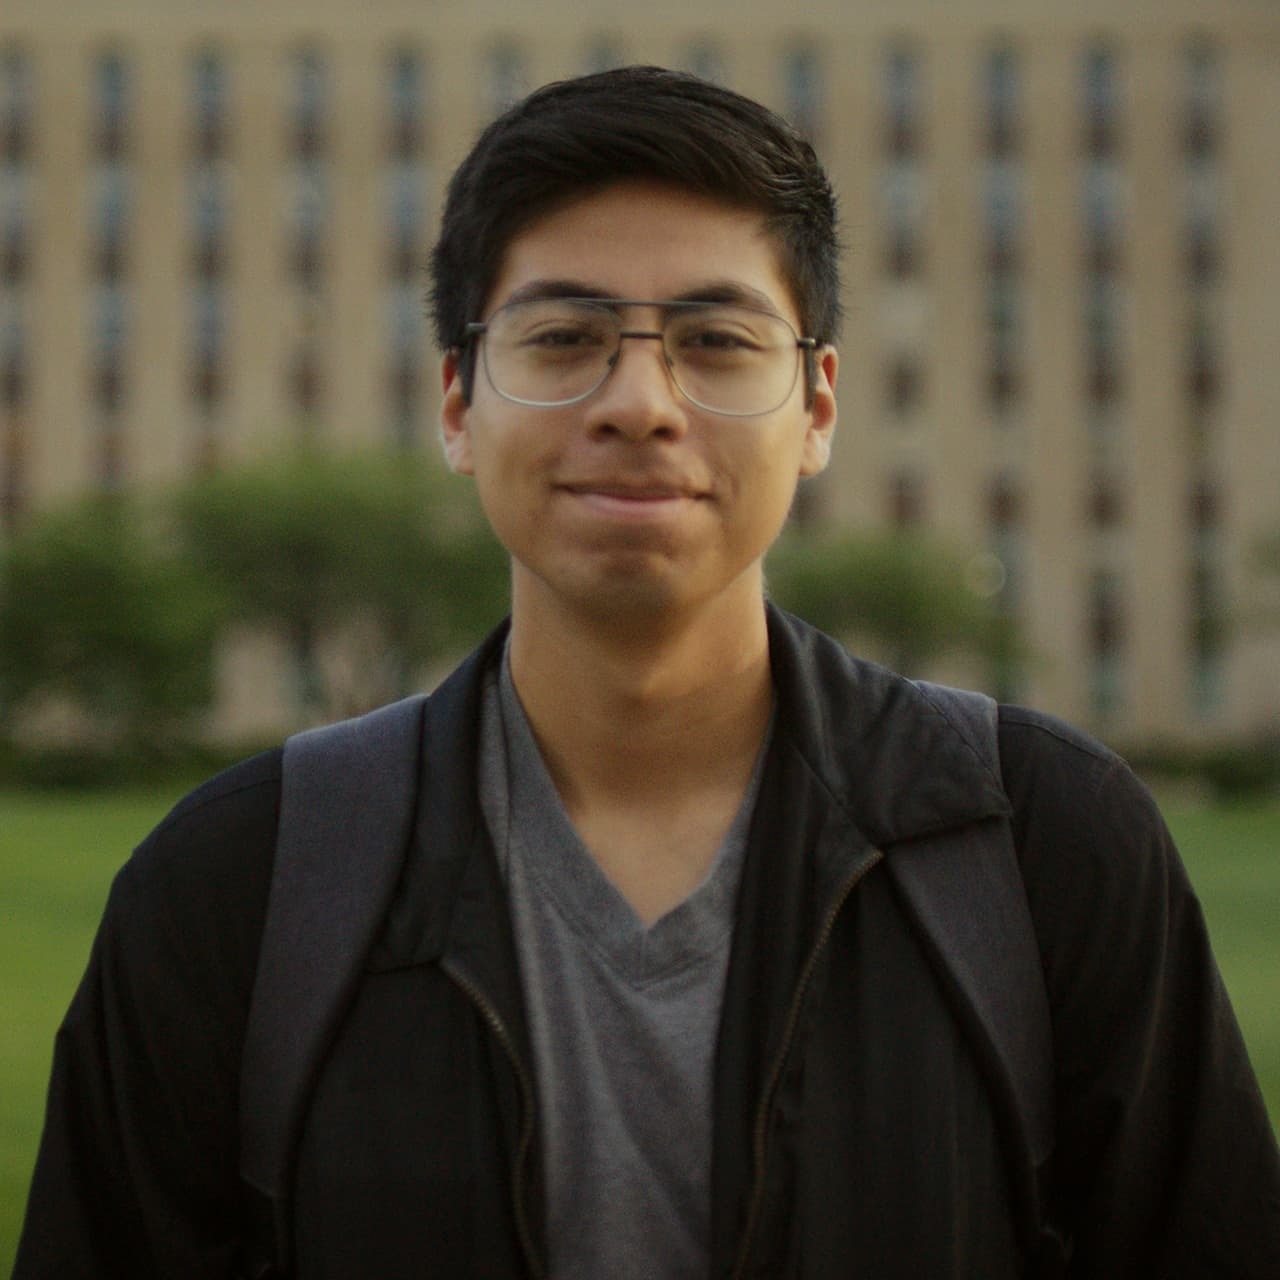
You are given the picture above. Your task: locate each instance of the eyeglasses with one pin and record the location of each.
(725, 358)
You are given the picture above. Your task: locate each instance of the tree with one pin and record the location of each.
(382, 558)
(97, 615)
(907, 596)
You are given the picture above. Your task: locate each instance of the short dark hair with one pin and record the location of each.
(578, 136)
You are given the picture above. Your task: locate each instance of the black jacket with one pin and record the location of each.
(856, 1132)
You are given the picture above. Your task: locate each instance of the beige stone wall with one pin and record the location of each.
(948, 438)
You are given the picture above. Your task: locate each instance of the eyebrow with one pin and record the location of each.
(728, 291)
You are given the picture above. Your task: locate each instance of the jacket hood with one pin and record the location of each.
(886, 752)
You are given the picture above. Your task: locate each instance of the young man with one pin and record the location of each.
(648, 999)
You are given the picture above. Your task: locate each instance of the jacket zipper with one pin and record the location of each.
(793, 1017)
(499, 1029)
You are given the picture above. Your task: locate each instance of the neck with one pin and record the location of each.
(644, 715)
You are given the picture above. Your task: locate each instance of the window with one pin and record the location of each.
(1107, 625)
(1002, 93)
(1002, 192)
(12, 351)
(406, 210)
(16, 93)
(706, 61)
(110, 321)
(902, 100)
(903, 201)
(905, 385)
(508, 78)
(1005, 504)
(111, 104)
(906, 500)
(304, 380)
(309, 216)
(804, 91)
(603, 54)
(111, 195)
(1101, 102)
(1203, 105)
(15, 220)
(208, 212)
(209, 322)
(1106, 501)
(1104, 215)
(310, 103)
(209, 105)
(405, 82)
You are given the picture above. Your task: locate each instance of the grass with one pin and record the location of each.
(59, 852)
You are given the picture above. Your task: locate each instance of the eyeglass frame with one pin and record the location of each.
(808, 347)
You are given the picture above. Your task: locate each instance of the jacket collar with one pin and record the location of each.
(889, 761)
(884, 752)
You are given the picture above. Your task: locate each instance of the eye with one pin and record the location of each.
(562, 336)
(711, 338)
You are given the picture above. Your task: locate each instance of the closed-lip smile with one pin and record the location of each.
(631, 490)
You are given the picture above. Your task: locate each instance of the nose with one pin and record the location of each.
(639, 398)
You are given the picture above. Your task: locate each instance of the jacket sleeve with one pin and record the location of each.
(136, 1173)
(1166, 1163)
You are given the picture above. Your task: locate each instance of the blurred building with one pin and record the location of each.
(1063, 336)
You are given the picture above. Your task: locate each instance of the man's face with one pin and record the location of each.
(635, 501)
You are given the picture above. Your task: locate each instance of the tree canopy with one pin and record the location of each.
(910, 597)
(95, 611)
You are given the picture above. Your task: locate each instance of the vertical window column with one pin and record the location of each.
(704, 58)
(208, 212)
(1003, 218)
(803, 88)
(16, 108)
(110, 248)
(1006, 523)
(1104, 201)
(603, 53)
(904, 203)
(309, 218)
(506, 80)
(1202, 256)
(804, 93)
(406, 184)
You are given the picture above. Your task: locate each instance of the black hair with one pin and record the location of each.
(575, 137)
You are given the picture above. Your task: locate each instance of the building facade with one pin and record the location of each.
(1062, 345)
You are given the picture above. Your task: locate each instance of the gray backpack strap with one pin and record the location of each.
(346, 807)
(967, 894)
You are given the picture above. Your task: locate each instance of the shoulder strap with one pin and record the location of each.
(346, 808)
(966, 892)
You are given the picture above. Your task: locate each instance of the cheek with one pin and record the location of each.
(508, 476)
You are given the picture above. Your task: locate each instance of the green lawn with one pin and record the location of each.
(58, 853)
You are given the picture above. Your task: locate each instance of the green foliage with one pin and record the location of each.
(96, 612)
(910, 597)
(382, 550)
(111, 612)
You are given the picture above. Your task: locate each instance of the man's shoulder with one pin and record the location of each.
(1096, 856)
(221, 833)
(1032, 742)
(245, 793)
(1067, 786)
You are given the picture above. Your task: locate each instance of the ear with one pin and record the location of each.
(822, 413)
(454, 432)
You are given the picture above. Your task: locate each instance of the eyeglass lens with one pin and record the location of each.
(723, 357)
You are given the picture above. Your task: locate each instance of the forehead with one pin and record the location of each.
(645, 240)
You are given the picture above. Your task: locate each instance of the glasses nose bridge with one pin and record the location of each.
(647, 335)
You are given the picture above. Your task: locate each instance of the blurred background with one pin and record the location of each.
(1063, 286)
(222, 510)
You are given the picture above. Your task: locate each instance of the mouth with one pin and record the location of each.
(632, 489)
(631, 497)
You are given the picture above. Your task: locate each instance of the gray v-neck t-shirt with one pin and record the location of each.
(623, 1021)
